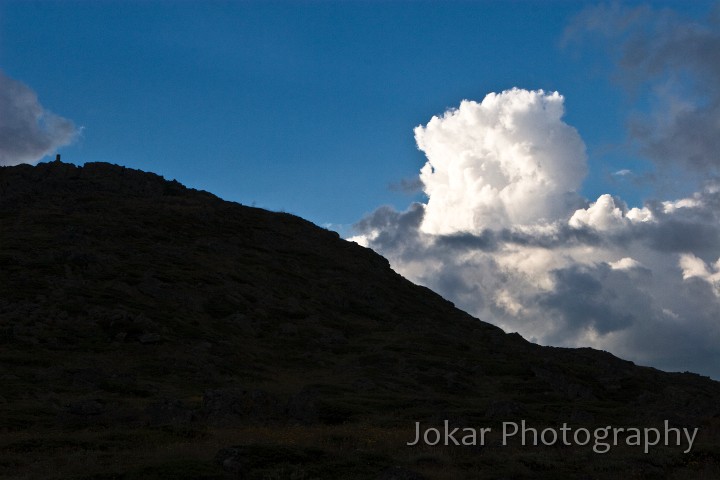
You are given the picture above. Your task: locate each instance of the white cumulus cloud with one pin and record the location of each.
(605, 214)
(625, 263)
(506, 236)
(507, 160)
(694, 267)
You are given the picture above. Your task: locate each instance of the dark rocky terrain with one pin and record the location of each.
(148, 330)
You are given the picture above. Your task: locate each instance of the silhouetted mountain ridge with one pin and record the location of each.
(159, 331)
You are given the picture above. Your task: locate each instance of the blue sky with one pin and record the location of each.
(599, 227)
(303, 106)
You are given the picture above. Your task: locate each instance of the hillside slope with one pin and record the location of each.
(148, 330)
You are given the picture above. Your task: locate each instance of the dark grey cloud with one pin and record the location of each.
(624, 290)
(681, 235)
(397, 234)
(690, 138)
(688, 229)
(487, 241)
(28, 132)
(409, 186)
(596, 297)
(679, 59)
(393, 229)
(631, 307)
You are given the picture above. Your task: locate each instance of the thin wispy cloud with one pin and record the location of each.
(679, 61)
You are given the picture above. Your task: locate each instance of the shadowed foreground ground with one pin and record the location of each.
(152, 331)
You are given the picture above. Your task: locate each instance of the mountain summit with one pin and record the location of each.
(148, 330)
